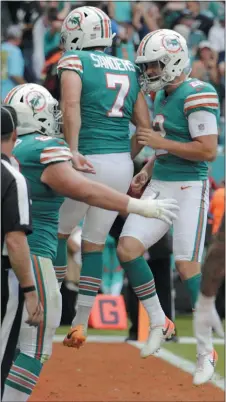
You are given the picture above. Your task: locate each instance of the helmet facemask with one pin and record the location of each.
(152, 81)
(52, 125)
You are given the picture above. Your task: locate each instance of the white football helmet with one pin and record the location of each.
(86, 27)
(170, 49)
(40, 111)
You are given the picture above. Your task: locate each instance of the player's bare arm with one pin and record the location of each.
(202, 148)
(214, 266)
(66, 181)
(71, 87)
(143, 176)
(203, 131)
(148, 168)
(140, 118)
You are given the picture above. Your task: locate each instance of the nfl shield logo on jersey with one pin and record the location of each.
(201, 127)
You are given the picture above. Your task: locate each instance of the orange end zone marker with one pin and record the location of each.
(143, 324)
(108, 312)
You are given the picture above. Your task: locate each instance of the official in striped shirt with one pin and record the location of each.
(15, 253)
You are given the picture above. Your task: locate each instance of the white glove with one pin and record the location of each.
(206, 318)
(160, 209)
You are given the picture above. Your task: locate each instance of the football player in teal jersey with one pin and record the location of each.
(46, 163)
(184, 136)
(100, 96)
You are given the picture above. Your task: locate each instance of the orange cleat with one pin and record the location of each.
(76, 337)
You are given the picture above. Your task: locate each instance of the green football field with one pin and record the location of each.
(184, 328)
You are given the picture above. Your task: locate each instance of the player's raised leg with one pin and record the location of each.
(137, 235)
(89, 284)
(35, 343)
(96, 227)
(70, 215)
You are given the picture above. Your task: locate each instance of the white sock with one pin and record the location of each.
(204, 334)
(155, 312)
(205, 303)
(12, 394)
(83, 309)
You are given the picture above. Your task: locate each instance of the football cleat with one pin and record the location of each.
(205, 368)
(76, 337)
(157, 336)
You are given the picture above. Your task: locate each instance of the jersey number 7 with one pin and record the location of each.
(121, 83)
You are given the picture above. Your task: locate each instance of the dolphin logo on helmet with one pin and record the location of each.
(73, 22)
(171, 44)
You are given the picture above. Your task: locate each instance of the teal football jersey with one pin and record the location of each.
(33, 153)
(171, 118)
(109, 91)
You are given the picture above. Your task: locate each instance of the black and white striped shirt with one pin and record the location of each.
(15, 205)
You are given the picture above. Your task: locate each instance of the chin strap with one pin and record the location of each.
(180, 82)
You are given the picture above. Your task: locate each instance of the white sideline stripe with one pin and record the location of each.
(183, 364)
(192, 341)
(96, 338)
(175, 360)
(118, 338)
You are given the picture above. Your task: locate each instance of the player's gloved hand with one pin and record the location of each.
(139, 181)
(34, 309)
(81, 164)
(160, 209)
(205, 319)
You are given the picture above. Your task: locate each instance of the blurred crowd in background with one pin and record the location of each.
(30, 51)
(31, 37)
